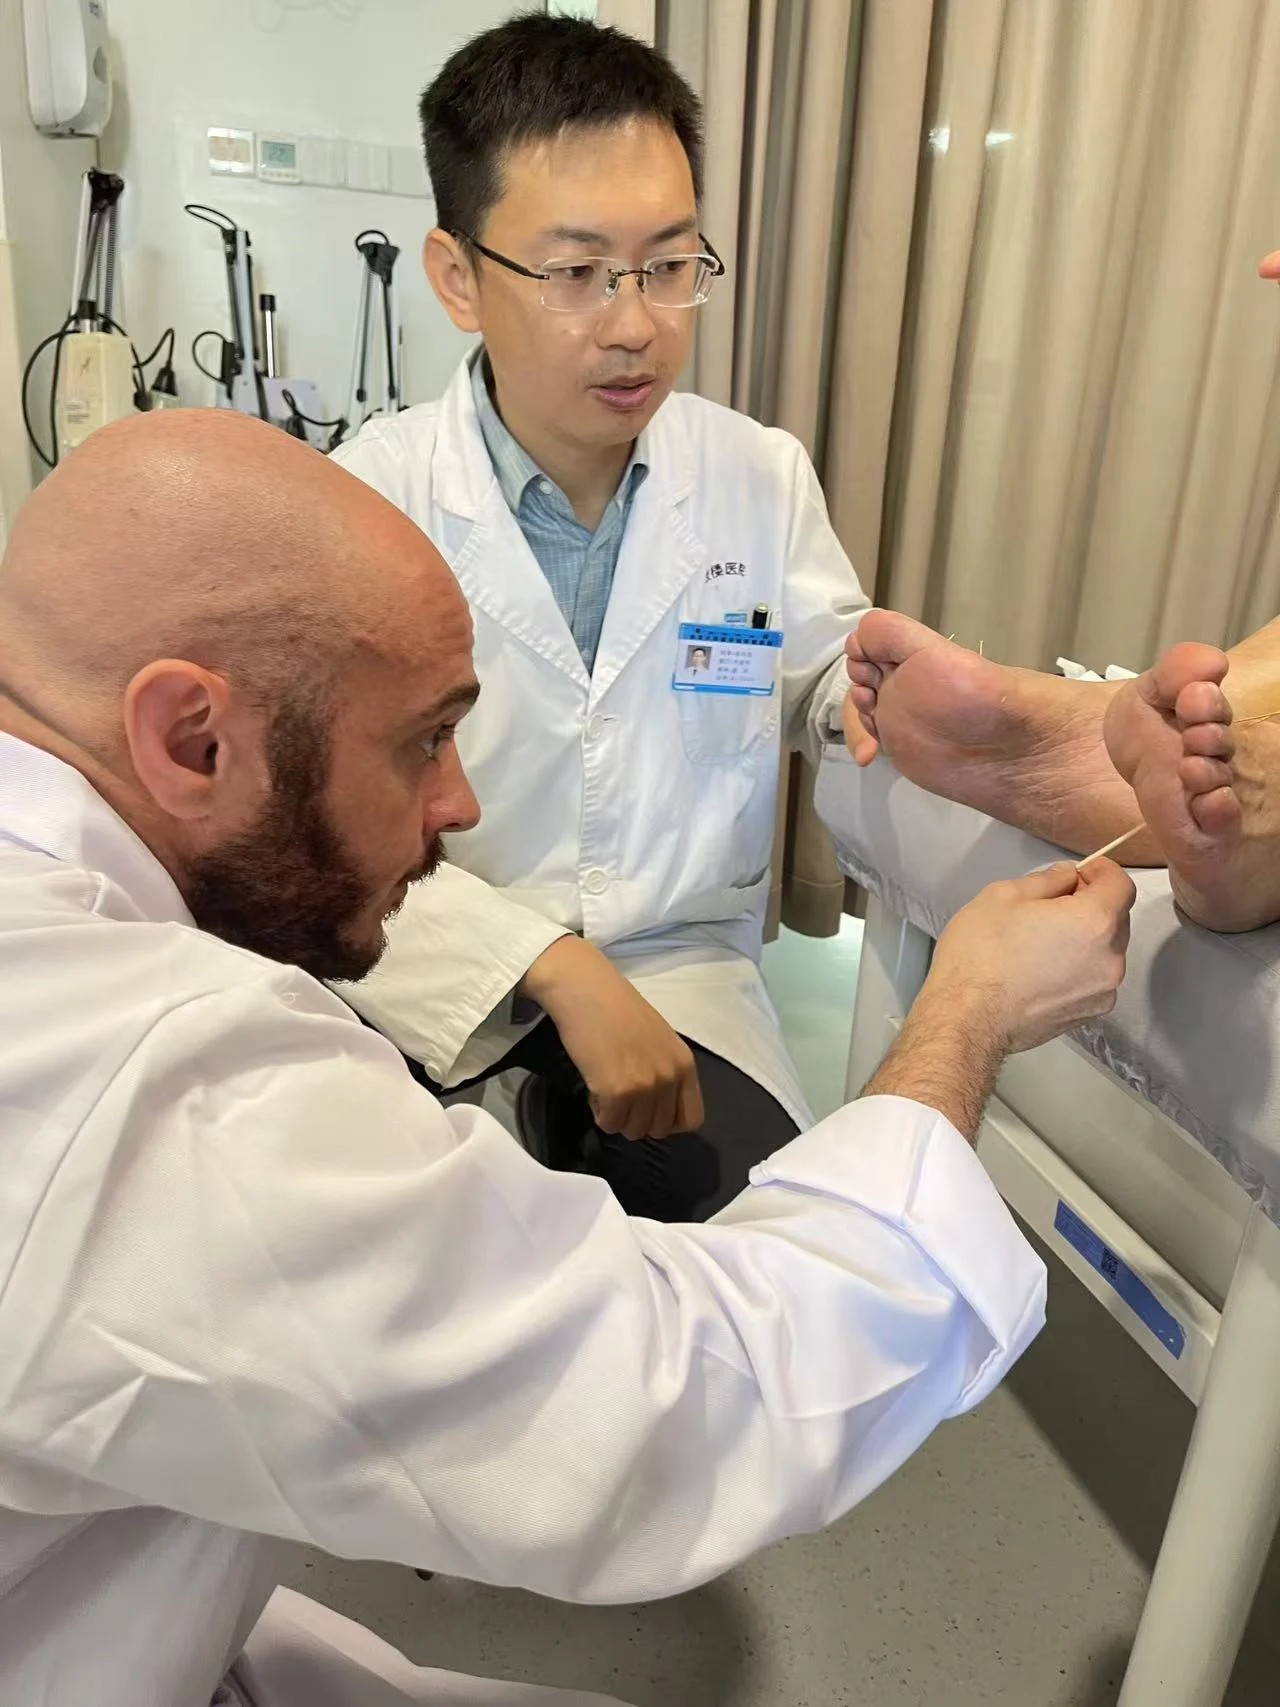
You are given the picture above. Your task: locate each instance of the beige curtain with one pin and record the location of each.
(994, 264)
(1052, 422)
(777, 80)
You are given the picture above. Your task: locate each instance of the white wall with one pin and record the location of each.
(350, 68)
(40, 182)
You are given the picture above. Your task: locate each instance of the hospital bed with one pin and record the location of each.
(1145, 1152)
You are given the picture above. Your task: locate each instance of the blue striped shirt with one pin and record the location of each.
(579, 565)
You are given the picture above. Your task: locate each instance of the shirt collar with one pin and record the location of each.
(48, 806)
(515, 468)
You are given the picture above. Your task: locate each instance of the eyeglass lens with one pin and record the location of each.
(673, 281)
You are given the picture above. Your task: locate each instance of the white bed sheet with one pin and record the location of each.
(1195, 1026)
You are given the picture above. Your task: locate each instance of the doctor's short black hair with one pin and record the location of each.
(529, 79)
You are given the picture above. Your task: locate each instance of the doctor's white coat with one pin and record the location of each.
(638, 816)
(257, 1287)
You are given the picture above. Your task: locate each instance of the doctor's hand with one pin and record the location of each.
(639, 1074)
(1018, 966)
(1040, 955)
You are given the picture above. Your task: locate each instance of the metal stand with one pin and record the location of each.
(1225, 1513)
(379, 255)
(93, 286)
(239, 373)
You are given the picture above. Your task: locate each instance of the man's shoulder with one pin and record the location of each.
(133, 1015)
(235, 980)
(733, 459)
(54, 914)
(717, 430)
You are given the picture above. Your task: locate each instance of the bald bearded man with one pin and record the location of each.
(257, 1288)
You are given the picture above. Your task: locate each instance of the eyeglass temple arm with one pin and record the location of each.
(501, 260)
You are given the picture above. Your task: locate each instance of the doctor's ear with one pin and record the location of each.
(452, 274)
(178, 723)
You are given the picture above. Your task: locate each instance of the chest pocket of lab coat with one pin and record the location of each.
(722, 726)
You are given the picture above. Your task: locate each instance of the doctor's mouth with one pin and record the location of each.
(626, 395)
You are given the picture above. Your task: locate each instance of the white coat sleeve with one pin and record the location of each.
(455, 952)
(823, 603)
(458, 947)
(275, 1286)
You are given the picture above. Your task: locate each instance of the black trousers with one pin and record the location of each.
(686, 1177)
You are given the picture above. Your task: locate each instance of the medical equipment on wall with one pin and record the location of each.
(247, 376)
(68, 69)
(377, 299)
(97, 374)
(97, 383)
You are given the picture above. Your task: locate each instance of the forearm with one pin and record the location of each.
(560, 967)
(947, 1057)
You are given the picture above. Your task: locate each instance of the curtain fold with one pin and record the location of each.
(776, 80)
(993, 263)
(1084, 456)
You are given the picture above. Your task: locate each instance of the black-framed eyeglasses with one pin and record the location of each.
(583, 284)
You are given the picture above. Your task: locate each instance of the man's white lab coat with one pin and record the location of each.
(614, 806)
(256, 1286)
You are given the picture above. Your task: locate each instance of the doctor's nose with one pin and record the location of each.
(626, 321)
(452, 805)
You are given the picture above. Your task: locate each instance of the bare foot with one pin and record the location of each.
(1025, 747)
(1201, 786)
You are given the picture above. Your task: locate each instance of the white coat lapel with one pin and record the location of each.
(661, 553)
(491, 557)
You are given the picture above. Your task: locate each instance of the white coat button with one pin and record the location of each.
(597, 727)
(596, 882)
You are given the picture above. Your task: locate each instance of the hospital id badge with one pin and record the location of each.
(711, 659)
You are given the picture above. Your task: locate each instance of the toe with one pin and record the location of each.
(1203, 776)
(885, 637)
(1217, 813)
(865, 676)
(860, 733)
(1202, 702)
(1179, 668)
(1209, 741)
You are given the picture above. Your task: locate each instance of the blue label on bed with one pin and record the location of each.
(1135, 1292)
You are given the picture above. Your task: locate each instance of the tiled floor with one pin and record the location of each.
(1006, 1563)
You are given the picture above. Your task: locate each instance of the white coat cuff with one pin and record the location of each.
(908, 1166)
(398, 1001)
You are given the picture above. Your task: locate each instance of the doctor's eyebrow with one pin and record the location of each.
(579, 234)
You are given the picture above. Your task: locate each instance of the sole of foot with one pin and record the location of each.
(1201, 784)
(1021, 745)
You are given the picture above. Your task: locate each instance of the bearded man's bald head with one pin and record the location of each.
(225, 633)
(198, 534)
